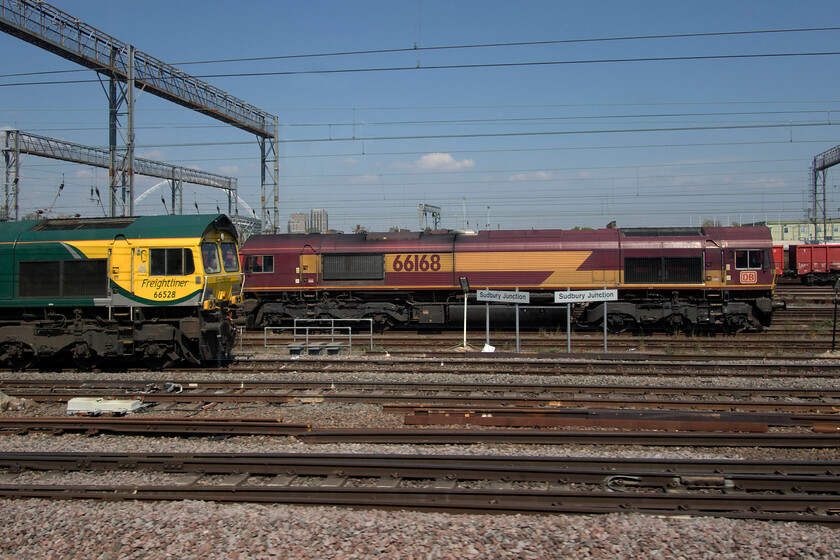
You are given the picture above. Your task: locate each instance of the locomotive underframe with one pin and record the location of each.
(726, 310)
(87, 336)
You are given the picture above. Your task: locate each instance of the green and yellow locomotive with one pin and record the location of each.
(156, 289)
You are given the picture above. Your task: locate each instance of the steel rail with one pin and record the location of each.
(404, 465)
(408, 396)
(444, 398)
(147, 426)
(140, 387)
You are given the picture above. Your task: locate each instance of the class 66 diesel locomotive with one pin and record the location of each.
(156, 290)
(672, 279)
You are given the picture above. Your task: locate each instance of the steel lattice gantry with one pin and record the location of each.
(17, 143)
(49, 28)
(821, 163)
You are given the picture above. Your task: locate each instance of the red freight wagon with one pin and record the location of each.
(817, 264)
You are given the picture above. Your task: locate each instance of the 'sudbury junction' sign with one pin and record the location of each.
(567, 298)
(584, 296)
(570, 297)
(499, 296)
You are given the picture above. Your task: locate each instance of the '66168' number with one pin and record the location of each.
(417, 263)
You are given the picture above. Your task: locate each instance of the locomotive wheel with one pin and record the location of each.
(619, 322)
(676, 323)
(17, 356)
(158, 356)
(84, 357)
(735, 324)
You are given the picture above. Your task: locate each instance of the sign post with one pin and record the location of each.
(570, 297)
(497, 296)
(465, 285)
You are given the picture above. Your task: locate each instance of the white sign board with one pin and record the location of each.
(583, 296)
(498, 296)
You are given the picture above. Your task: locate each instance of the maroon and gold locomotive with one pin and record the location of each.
(718, 278)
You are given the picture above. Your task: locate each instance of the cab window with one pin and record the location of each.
(229, 257)
(210, 257)
(261, 263)
(171, 262)
(749, 259)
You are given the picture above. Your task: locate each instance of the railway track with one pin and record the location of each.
(801, 491)
(798, 338)
(519, 365)
(805, 327)
(406, 394)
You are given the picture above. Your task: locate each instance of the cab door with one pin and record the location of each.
(121, 264)
(309, 269)
(714, 272)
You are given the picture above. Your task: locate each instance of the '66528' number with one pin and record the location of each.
(417, 263)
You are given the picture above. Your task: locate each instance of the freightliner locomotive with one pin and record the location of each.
(153, 290)
(674, 279)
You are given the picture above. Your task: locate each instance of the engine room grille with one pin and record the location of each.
(353, 267)
(663, 270)
(63, 279)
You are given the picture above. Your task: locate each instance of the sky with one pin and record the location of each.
(506, 115)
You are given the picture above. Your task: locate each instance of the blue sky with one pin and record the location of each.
(579, 136)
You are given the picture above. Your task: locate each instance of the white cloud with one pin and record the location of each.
(348, 162)
(229, 170)
(534, 176)
(442, 162)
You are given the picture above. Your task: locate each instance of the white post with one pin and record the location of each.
(465, 320)
(568, 325)
(517, 324)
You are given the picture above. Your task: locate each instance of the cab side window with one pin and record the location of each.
(260, 263)
(210, 257)
(749, 259)
(171, 262)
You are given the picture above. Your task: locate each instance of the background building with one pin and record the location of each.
(299, 222)
(318, 221)
(786, 232)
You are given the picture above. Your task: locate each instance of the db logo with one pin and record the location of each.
(749, 277)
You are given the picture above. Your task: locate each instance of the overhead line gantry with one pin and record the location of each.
(819, 168)
(18, 142)
(47, 27)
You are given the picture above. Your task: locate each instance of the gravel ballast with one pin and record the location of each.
(192, 530)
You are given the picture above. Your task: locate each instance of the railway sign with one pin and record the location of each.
(583, 296)
(498, 296)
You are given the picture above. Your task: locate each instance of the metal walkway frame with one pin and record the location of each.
(47, 27)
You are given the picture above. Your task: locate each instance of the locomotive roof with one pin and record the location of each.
(730, 235)
(133, 227)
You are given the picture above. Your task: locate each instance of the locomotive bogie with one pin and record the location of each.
(672, 279)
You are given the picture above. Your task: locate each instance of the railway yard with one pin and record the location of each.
(718, 445)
